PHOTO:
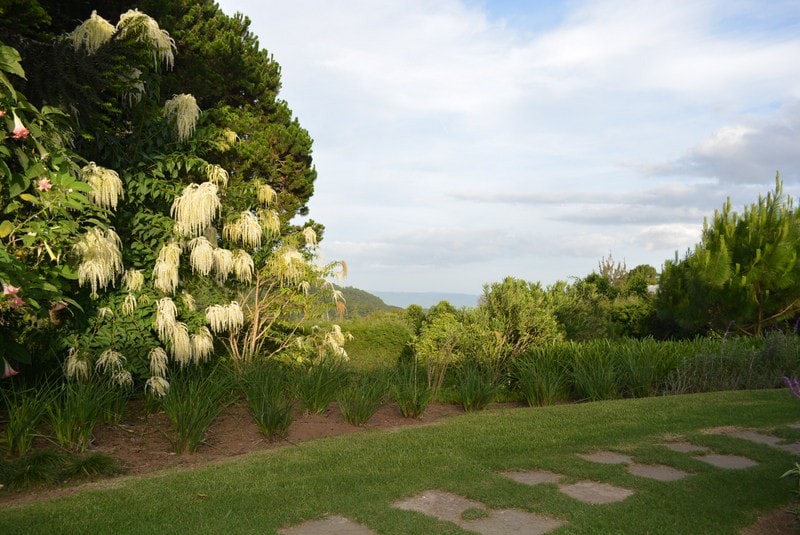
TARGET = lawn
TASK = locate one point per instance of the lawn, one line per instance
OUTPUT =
(360, 476)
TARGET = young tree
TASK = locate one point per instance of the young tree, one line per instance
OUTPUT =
(743, 275)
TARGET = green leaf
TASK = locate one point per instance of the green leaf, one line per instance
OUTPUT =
(5, 228)
(28, 197)
(10, 61)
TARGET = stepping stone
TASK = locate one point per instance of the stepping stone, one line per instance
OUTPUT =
(533, 477)
(439, 504)
(332, 525)
(685, 447)
(593, 492)
(729, 462)
(606, 457)
(510, 521)
(659, 472)
(767, 440)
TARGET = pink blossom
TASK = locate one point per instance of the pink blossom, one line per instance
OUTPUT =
(20, 132)
(2, 113)
(8, 371)
(10, 290)
(16, 302)
(43, 184)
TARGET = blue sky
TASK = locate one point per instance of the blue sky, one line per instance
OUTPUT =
(461, 141)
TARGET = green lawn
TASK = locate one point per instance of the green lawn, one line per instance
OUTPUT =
(359, 476)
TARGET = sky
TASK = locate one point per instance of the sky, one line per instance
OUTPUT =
(458, 142)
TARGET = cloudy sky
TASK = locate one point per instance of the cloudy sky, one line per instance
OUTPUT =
(460, 141)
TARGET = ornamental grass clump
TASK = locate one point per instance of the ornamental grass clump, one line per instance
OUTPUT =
(359, 400)
(267, 385)
(410, 390)
(476, 385)
(25, 410)
(195, 398)
(75, 408)
(317, 383)
(594, 371)
(540, 375)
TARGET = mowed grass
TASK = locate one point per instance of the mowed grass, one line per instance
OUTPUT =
(359, 476)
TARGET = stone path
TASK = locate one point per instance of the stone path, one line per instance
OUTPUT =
(476, 517)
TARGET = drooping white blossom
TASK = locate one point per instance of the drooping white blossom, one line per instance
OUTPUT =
(183, 111)
(106, 185)
(101, 258)
(195, 208)
(92, 33)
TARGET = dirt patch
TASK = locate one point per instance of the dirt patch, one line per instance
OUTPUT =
(141, 442)
(780, 522)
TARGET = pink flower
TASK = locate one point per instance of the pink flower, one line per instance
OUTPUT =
(2, 113)
(20, 132)
(10, 290)
(43, 184)
(16, 302)
(8, 371)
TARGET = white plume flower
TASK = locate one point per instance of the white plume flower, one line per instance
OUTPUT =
(188, 300)
(243, 265)
(195, 208)
(92, 33)
(183, 111)
(223, 263)
(101, 258)
(143, 28)
(165, 272)
(181, 343)
(158, 362)
(288, 265)
(166, 312)
(271, 222)
(106, 185)
(225, 317)
(109, 361)
(202, 345)
(157, 386)
(122, 378)
(217, 174)
(133, 280)
(129, 305)
(266, 195)
(245, 230)
(202, 255)
(75, 367)
(310, 236)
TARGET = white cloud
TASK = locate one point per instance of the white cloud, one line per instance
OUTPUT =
(454, 147)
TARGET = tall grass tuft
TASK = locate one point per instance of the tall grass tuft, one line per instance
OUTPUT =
(74, 409)
(594, 372)
(318, 384)
(410, 389)
(476, 385)
(194, 399)
(267, 386)
(25, 409)
(540, 375)
(359, 400)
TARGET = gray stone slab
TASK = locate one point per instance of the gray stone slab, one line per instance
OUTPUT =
(596, 493)
(513, 521)
(331, 525)
(606, 457)
(767, 440)
(659, 472)
(439, 504)
(533, 477)
(728, 462)
(685, 447)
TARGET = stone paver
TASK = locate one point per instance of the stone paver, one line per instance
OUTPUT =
(513, 521)
(729, 462)
(659, 472)
(533, 477)
(596, 493)
(767, 440)
(606, 457)
(685, 447)
(332, 525)
(439, 504)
